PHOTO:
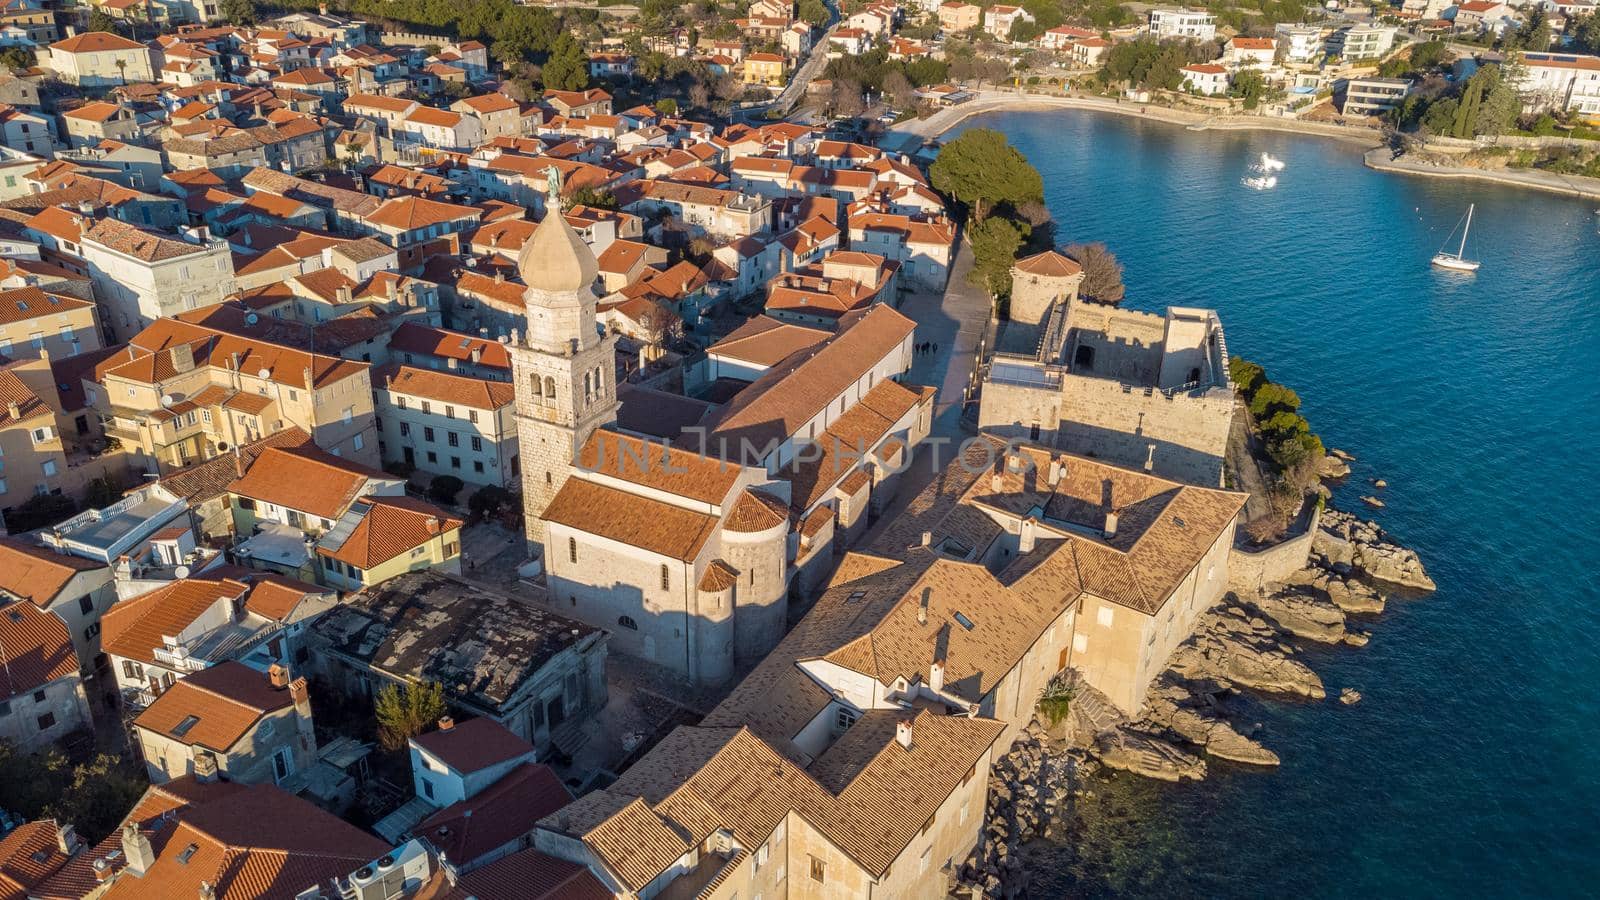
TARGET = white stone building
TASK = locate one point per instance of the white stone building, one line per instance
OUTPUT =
(140, 275)
(448, 424)
(1182, 24)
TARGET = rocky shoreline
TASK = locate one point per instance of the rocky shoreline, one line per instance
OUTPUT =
(1245, 644)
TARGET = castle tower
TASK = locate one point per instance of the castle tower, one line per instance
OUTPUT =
(563, 368)
(1039, 282)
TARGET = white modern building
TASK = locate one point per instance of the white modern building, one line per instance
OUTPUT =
(1182, 24)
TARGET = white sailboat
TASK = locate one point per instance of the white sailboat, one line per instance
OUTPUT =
(1458, 260)
(1270, 163)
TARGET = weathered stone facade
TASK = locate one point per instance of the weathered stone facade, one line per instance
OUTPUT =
(1135, 389)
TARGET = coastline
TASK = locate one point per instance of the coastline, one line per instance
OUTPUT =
(913, 132)
(1534, 179)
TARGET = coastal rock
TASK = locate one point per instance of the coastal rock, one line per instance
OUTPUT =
(1349, 696)
(1303, 616)
(1357, 638)
(1344, 540)
(1373, 502)
(1333, 468)
(1142, 754)
(1348, 594)
(1341, 455)
(1229, 649)
(1171, 707)
(1379, 483)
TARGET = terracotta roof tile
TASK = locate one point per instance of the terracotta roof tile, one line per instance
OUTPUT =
(651, 525)
(658, 465)
(500, 814)
(532, 875)
(225, 701)
(304, 479)
(389, 527)
(38, 573)
(35, 649)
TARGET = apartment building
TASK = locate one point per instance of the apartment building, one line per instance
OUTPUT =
(1182, 24)
(35, 323)
(448, 424)
(40, 688)
(99, 59)
(142, 275)
(182, 392)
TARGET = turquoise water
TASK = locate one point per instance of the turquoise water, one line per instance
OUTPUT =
(1472, 766)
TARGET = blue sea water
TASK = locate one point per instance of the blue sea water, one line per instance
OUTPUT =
(1472, 766)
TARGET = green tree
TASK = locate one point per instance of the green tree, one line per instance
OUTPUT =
(444, 488)
(404, 711)
(93, 795)
(40, 511)
(16, 58)
(1428, 54)
(814, 12)
(595, 197)
(1246, 375)
(667, 106)
(1440, 117)
(982, 171)
(1250, 86)
(1272, 398)
(995, 242)
(101, 493)
(100, 20)
(567, 69)
(239, 12)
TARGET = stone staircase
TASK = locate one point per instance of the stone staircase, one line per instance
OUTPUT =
(570, 737)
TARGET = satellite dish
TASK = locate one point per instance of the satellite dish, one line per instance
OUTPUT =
(264, 374)
(472, 262)
(167, 400)
(251, 318)
(181, 572)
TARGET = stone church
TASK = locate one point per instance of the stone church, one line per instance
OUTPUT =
(682, 525)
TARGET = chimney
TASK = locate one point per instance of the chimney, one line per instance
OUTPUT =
(902, 733)
(922, 607)
(207, 892)
(102, 870)
(310, 385)
(344, 293)
(238, 462)
(205, 767)
(446, 723)
(14, 410)
(67, 839)
(433, 524)
(1026, 534)
(278, 676)
(1056, 471)
(300, 693)
(996, 482)
(137, 850)
(927, 538)
(1150, 459)
(936, 676)
(1111, 523)
(476, 355)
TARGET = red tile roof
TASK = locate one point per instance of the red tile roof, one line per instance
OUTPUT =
(38, 573)
(498, 815)
(35, 649)
(391, 526)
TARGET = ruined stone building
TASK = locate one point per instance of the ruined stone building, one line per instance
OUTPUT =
(1136, 389)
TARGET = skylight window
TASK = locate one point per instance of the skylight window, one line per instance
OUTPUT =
(964, 621)
(184, 726)
(856, 597)
(187, 853)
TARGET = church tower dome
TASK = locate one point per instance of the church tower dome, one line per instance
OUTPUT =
(560, 272)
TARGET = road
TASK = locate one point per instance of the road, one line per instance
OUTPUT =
(813, 66)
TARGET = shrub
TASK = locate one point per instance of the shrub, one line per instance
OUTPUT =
(399, 468)
(444, 488)
(1246, 375)
(1055, 701)
(1265, 529)
(1270, 398)
(488, 500)
(403, 711)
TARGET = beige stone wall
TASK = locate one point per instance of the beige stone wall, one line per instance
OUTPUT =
(1116, 423)
(921, 869)
(134, 293)
(247, 762)
(1033, 295)
(1120, 650)
(1250, 571)
(63, 334)
(63, 698)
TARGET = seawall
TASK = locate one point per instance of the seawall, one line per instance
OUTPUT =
(1550, 182)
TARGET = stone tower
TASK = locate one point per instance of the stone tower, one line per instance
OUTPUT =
(563, 368)
(1041, 281)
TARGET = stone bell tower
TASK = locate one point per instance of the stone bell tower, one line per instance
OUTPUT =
(563, 368)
